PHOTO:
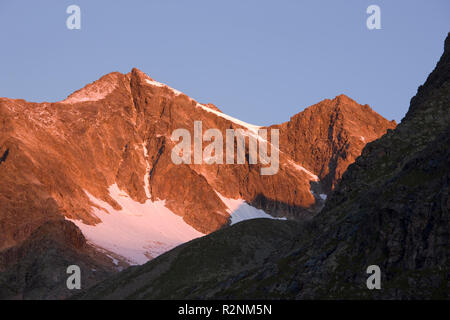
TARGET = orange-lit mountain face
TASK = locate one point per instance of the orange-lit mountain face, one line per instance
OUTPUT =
(102, 159)
(389, 211)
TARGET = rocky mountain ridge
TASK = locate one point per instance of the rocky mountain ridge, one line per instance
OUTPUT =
(390, 209)
(101, 159)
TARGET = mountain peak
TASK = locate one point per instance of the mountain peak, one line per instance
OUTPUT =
(340, 126)
(102, 87)
(342, 98)
(96, 90)
(138, 74)
(110, 154)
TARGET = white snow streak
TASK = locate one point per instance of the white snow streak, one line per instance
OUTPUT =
(240, 210)
(251, 127)
(147, 173)
(300, 168)
(162, 85)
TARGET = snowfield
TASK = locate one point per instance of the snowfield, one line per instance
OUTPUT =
(241, 210)
(140, 231)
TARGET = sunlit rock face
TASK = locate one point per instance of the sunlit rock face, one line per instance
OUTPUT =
(101, 159)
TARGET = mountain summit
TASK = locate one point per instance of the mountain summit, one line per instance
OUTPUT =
(100, 162)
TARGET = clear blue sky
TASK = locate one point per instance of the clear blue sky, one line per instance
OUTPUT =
(260, 61)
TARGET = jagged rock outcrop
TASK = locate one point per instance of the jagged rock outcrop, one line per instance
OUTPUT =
(391, 209)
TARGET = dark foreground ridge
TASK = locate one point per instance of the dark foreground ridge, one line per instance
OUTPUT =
(390, 210)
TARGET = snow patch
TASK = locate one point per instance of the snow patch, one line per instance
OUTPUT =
(240, 210)
(300, 168)
(154, 83)
(114, 260)
(140, 231)
(147, 173)
(323, 196)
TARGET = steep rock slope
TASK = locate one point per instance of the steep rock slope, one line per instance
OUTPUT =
(391, 209)
(107, 149)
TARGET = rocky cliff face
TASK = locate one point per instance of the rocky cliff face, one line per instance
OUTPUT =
(391, 209)
(102, 160)
(327, 137)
